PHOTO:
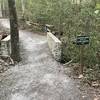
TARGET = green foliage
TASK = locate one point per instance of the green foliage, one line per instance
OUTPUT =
(71, 19)
(98, 6)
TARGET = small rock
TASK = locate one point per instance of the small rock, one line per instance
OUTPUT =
(80, 76)
(95, 84)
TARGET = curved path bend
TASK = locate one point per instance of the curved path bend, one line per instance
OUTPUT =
(38, 76)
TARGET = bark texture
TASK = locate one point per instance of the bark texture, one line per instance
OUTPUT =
(15, 52)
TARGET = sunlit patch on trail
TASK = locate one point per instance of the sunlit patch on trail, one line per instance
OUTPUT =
(18, 96)
(53, 80)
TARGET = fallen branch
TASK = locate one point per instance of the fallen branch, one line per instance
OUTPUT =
(66, 64)
(12, 62)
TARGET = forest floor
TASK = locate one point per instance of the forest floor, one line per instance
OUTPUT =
(38, 76)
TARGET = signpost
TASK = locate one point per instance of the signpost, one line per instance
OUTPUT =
(81, 41)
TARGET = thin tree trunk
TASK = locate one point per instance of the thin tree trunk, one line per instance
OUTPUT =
(2, 8)
(23, 7)
(15, 53)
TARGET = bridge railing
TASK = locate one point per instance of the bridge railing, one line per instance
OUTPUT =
(5, 46)
(54, 43)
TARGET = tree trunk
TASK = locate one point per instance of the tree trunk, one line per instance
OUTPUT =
(15, 52)
(2, 8)
(23, 7)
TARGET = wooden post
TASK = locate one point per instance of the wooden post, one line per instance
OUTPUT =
(81, 59)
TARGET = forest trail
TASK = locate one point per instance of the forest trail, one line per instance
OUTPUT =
(38, 76)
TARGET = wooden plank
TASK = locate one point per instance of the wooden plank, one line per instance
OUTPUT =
(6, 39)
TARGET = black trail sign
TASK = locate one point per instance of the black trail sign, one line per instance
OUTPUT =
(82, 40)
